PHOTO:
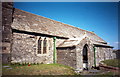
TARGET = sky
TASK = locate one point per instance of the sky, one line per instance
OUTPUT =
(100, 17)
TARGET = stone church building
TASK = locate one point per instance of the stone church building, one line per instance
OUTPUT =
(29, 38)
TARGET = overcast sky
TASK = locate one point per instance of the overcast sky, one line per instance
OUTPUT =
(100, 17)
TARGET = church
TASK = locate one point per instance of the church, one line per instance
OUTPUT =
(29, 38)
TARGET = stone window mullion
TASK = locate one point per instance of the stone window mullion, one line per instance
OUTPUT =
(47, 47)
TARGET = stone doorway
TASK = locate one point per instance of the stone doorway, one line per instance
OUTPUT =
(85, 57)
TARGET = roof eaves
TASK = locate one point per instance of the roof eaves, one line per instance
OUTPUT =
(34, 33)
(99, 45)
(67, 46)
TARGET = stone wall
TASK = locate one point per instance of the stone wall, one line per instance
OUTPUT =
(7, 13)
(24, 49)
(76, 60)
(67, 56)
(0, 34)
(116, 54)
(79, 54)
(103, 53)
(74, 56)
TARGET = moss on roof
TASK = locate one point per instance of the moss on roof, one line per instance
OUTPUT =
(33, 23)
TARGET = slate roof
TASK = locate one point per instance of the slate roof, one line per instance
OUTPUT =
(75, 41)
(72, 42)
(33, 23)
(102, 45)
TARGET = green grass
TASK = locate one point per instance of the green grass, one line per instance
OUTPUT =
(41, 69)
(112, 62)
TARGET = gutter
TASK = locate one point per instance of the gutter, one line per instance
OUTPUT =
(98, 45)
(94, 49)
(38, 34)
(54, 53)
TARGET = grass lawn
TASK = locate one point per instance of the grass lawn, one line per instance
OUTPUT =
(41, 69)
(112, 62)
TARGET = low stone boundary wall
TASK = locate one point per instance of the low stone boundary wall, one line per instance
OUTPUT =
(109, 67)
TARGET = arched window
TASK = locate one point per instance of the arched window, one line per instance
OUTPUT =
(44, 46)
(39, 46)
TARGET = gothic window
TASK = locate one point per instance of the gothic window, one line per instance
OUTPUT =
(44, 46)
(39, 46)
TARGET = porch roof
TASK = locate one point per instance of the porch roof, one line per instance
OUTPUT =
(75, 41)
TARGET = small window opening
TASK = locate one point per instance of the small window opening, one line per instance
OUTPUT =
(39, 45)
(44, 46)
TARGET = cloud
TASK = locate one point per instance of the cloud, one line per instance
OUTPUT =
(108, 43)
(117, 42)
(116, 45)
